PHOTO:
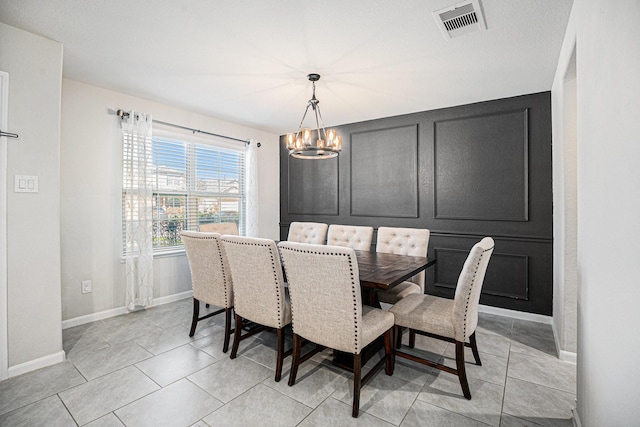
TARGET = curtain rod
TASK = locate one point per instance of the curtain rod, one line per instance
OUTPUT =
(123, 114)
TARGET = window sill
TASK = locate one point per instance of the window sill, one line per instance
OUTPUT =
(163, 254)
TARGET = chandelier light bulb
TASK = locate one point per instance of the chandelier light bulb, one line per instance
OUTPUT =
(291, 141)
(338, 142)
(306, 136)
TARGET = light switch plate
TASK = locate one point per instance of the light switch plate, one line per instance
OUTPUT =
(26, 184)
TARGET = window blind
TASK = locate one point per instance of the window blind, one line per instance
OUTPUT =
(194, 184)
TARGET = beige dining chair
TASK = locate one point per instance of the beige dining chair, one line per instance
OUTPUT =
(259, 291)
(210, 278)
(220, 227)
(307, 232)
(351, 236)
(453, 320)
(327, 308)
(403, 241)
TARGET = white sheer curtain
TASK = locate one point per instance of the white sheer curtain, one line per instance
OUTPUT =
(138, 200)
(252, 188)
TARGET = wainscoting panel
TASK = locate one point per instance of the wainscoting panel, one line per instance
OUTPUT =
(507, 274)
(477, 161)
(384, 172)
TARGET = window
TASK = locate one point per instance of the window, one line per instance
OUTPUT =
(194, 183)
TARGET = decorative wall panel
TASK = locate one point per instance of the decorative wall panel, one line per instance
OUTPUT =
(507, 274)
(479, 160)
(384, 172)
(313, 186)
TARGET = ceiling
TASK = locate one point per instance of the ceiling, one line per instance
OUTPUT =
(247, 61)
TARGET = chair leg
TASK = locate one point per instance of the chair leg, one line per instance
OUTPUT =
(462, 373)
(398, 337)
(236, 336)
(389, 351)
(412, 338)
(295, 360)
(280, 354)
(357, 368)
(196, 313)
(227, 329)
(474, 348)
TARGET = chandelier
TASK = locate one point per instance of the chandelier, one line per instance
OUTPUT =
(301, 145)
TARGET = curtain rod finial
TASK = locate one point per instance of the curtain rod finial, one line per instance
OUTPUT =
(122, 114)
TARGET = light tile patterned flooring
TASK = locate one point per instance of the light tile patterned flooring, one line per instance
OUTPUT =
(142, 369)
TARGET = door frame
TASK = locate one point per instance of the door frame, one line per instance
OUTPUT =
(4, 319)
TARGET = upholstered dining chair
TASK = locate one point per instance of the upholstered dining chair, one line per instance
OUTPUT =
(326, 307)
(453, 320)
(403, 241)
(210, 278)
(259, 291)
(220, 227)
(307, 232)
(351, 236)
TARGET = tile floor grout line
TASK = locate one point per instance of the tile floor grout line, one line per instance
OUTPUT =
(67, 409)
(542, 385)
(117, 417)
(504, 387)
(129, 403)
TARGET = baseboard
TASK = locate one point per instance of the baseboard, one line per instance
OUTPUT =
(88, 318)
(32, 365)
(514, 314)
(172, 298)
(575, 418)
(564, 355)
(568, 356)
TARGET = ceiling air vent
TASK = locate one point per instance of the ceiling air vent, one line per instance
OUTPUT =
(460, 19)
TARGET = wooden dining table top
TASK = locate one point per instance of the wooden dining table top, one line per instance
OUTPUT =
(380, 270)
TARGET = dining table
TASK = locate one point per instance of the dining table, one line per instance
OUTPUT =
(383, 271)
(380, 271)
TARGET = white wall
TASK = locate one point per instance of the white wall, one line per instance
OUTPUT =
(565, 215)
(606, 36)
(33, 220)
(91, 191)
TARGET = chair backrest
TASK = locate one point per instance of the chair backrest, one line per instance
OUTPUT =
(404, 241)
(351, 236)
(324, 285)
(469, 287)
(210, 275)
(307, 232)
(220, 227)
(258, 292)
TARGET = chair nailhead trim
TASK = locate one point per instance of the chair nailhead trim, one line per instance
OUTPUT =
(275, 274)
(473, 280)
(224, 273)
(353, 289)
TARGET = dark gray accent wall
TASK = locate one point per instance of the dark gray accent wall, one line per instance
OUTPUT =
(322, 177)
(464, 172)
(469, 182)
(384, 172)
